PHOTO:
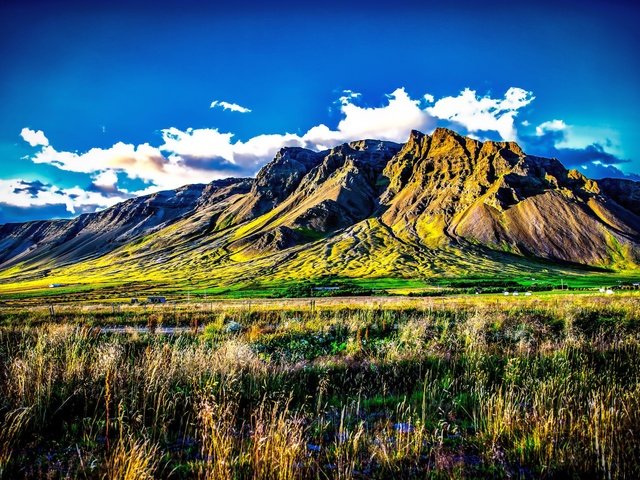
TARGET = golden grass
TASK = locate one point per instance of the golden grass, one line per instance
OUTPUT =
(132, 459)
(443, 388)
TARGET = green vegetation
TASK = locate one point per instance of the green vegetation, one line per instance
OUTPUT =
(333, 388)
(191, 288)
(324, 288)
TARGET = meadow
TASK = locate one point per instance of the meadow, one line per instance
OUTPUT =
(546, 386)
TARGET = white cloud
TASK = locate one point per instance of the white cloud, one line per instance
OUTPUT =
(550, 126)
(34, 137)
(208, 149)
(143, 162)
(391, 122)
(263, 148)
(477, 114)
(348, 95)
(205, 154)
(234, 107)
(198, 143)
(107, 179)
(24, 194)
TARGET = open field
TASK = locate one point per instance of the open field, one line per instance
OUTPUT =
(205, 290)
(406, 387)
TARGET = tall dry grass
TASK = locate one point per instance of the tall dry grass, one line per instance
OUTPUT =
(475, 390)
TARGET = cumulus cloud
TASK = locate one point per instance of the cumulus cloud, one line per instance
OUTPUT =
(198, 143)
(210, 154)
(143, 161)
(107, 179)
(208, 148)
(482, 114)
(106, 183)
(193, 156)
(391, 122)
(233, 107)
(550, 126)
(24, 194)
(205, 154)
(34, 138)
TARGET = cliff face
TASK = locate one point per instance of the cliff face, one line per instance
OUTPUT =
(436, 196)
(446, 189)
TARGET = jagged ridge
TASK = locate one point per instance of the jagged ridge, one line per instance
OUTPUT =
(364, 208)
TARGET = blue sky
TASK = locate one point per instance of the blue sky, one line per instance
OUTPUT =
(105, 100)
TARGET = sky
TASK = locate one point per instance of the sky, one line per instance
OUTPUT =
(102, 101)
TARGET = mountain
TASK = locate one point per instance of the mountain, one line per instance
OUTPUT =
(438, 205)
(94, 234)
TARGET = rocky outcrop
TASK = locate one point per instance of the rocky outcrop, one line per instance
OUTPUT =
(275, 182)
(280, 238)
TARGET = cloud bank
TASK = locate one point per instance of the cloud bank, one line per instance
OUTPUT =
(205, 154)
(483, 114)
(24, 194)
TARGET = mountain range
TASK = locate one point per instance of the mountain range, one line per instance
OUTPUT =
(438, 205)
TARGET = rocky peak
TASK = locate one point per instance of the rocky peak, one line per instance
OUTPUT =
(447, 143)
(289, 163)
(375, 146)
(434, 193)
(278, 178)
(416, 142)
(442, 134)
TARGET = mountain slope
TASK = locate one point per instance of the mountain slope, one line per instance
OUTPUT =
(446, 189)
(91, 235)
(440, 204)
